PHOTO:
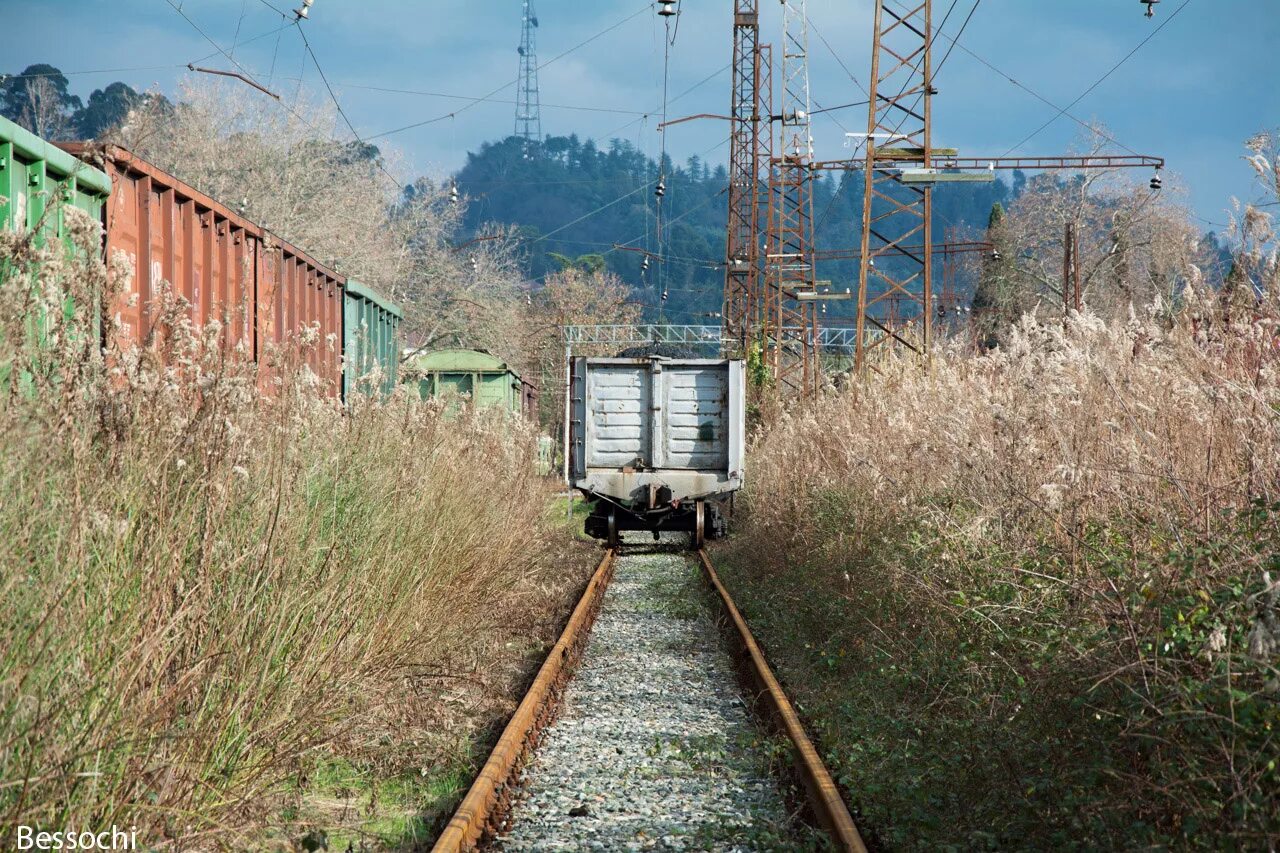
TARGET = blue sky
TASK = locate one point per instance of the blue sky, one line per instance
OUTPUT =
(1193, 94)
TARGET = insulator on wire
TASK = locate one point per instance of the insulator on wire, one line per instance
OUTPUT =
(644, 263)
(995, 254)
(664, 294)
(1151, 7)
(661, 189)
(1156, 181)
(475, 264)
(666, 8)
(453, 194)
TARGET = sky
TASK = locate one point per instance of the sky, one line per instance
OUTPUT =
(1192, 94)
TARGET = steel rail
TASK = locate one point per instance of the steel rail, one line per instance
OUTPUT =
(489, 796)
(824, 796)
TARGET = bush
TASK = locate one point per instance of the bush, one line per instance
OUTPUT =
(1030, 599)
(207, 587)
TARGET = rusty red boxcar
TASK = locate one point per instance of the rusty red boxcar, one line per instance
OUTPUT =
(264, 289)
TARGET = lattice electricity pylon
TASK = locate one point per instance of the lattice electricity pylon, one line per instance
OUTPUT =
(790, 325)
(897, 212)
(742, 243)
(528, 101)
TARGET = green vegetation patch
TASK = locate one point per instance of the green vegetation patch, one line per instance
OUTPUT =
(975, 699)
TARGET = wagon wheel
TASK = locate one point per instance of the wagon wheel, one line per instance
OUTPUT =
(614, 538)
(699, 537)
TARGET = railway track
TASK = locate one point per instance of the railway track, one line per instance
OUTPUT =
(636, 734)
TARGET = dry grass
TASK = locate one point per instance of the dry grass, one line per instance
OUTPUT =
(208, 590)
(1033, 598)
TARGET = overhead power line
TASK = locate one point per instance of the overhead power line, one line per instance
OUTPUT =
(511, 83)
(1166, 22)
(428, 94)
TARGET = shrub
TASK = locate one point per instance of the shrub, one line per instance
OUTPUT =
(205, 586)
(1029, 599)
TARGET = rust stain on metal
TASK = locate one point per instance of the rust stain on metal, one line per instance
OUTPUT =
(489, 799)
(824, 797)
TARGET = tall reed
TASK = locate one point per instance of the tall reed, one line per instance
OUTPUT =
(203, 584)
(1033, 597)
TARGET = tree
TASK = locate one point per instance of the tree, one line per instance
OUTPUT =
(570, 297)
(107, 108)
(39, 100)
(1137, 246)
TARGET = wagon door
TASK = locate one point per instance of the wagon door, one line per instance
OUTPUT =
(618, 434)
(696, 404)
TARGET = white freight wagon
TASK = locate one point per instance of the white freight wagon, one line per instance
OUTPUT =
(656, 443)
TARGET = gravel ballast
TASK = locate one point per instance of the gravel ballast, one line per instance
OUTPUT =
(654, 747)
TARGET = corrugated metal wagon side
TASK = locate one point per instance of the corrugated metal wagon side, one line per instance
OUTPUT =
(370, 324)
(263, 289)
(297, 293)
(172, 232)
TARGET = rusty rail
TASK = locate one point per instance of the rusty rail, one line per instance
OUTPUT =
(824, 797)
(488, 798)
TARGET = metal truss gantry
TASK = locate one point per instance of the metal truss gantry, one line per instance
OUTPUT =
(836, 339)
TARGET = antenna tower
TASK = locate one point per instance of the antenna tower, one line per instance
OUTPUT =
(528, 102)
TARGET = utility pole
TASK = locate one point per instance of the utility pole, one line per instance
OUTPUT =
(790, 322)
(1071, 296)
(742, 244)
(528, 101)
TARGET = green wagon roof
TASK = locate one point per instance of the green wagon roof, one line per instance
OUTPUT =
(358, 289)
(60, 162)
(463, 360)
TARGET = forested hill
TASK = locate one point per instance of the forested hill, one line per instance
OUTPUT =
(571, 198)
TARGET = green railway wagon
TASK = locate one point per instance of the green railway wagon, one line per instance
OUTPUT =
(370, 324)
(485, 379)
(36, 175)
(38, 182)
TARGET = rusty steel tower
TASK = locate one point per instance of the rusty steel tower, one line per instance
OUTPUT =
(742, 243)
(528, 101)
(897, 210)
(789, 321)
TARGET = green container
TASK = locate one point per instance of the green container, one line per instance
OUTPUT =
(369, 326)
(35, 175)
(37, 182)
(486, 379)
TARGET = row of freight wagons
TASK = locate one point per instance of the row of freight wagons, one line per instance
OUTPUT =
(263, 288)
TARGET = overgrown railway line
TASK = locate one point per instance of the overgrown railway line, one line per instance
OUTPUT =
(635, 734)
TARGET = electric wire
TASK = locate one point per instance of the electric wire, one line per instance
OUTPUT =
(509, 84)
(662, 157)
(490, 100)
(813, 26)
(1166, 22)
(207, 38)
